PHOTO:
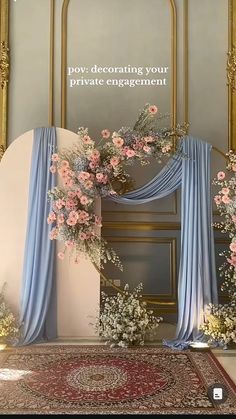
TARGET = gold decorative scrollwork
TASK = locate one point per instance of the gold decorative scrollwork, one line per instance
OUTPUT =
(2, 151)
(231, 69)
(4, 64)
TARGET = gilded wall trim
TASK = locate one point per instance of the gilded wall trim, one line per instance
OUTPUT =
(231, 76)
(4, 73)
(51, 64)
(168, 300)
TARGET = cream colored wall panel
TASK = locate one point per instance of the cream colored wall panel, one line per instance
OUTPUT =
(208, 45)
(29, 70)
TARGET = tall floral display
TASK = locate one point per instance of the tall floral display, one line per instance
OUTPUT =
(220, 322)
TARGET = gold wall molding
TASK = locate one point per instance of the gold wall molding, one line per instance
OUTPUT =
(4, 73)
(140, 226)
(231, 76)
(51, 64)
(169, 301)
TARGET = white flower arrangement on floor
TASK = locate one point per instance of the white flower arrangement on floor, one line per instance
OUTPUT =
(9, 327)
(220, 324)
(124, 318)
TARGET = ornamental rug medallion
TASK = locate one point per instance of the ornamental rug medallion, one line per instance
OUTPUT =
(96, 379)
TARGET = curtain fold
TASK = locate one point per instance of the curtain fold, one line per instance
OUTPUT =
(37, 281)
(197, 285)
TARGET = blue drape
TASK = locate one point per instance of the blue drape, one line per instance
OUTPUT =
(197, 285)
(37, 281)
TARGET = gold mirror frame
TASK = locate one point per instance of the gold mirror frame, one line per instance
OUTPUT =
(5, 67)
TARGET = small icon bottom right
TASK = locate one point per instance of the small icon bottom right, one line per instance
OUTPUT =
(217, 393)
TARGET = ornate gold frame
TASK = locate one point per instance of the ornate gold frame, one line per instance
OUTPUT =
(4, 73)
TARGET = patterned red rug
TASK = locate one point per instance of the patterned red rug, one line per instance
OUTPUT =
(100, 380)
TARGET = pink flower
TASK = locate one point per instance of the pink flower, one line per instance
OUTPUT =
(84, 176)
(55, 157)
(93, 165)
(98, 221)
(88, 184)
(83, 217)
(51, 217)
(233, 247)
(84, 200)
(114, 161)
(118, 141)
(69, 244)
(220, 175)
(234, 167)
(226, 199)
(130, 153)
(87, 140)
(95, 155)
(146, 148)
(70, 204)
(73, 218)
(60, 219)
(59, 203)
(234, 218)
(153, 109)
(61, 255)
(53, 233)
(106, 133)
(65, 163)
(225, 191)
(232, 260)
(166, 148)
(217, 199)
(99, 177)
(53, 169)
(104, 179)
(63, 172)
(78, 192)
(83, 236)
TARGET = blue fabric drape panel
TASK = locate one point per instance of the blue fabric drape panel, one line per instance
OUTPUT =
(37, 281)
(197, 274)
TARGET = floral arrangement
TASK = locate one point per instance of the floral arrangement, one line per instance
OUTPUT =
(124, 318)
(220, 320)
(220, 324)
(226, 204)
(9, 328)
(88, 171)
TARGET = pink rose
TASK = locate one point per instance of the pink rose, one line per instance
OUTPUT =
(114, 161)
(84, 176)
(53, 169)
(84, 200)
(226, 199)
(233, 247)
(55, 157)
(153, 109)
(234, 167)
(51, 217)
(53, 233)
(118, 141)
(82, 236)
(225, 191)
(130, 153)
(61, 255)
(217, 199)
(220, 175)
(146, 148)
(234, 218)
(87, 140)
(106, 133)
(99, 177)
